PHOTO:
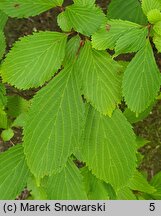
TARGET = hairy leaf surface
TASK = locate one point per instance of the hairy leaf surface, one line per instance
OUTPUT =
(141, 81)
(54, 125)
(34, 59)
(66, 185)
(13, 172)
(26, 8)
(109, 147)
(101, 79)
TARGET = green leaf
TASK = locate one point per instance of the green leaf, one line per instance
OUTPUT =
(126, 10)
(139, 183)
(13, 173)
(148, 5)
(109, 147)
(2, 44)
(3, 98)
(34, 59)
(125, 194)
(132, 118)
(3, 119)
(156, 183)
(17, 105)
(63, 22)
(141, 81)
(7, 134)
(54, 125)
(20, 120)
(140, 158)
(157, 42)
(141, 142)
(85, 19)
(132, 41)
(111, 192)
(95, 188)
(84, 2)
(72, 50)
(110, 31)
(66, 185)
(144, 197)
(21, 8)
(38, 193)
(154, 16)
(3, 19)
(157, 28)
(101, 79)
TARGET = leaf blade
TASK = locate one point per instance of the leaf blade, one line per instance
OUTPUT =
(148, 5)
(42, 54)
(138, 90)
(66, 185)
(3, 19)
(126, 10)
(12, 166)
(110, 32)
(21, 8)
(2, 44)
(116, 143)
(59, 129)
(85, 19)
(132, 41)
(98, 69)
(139, 183)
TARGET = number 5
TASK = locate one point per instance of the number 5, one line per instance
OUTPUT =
(152, 206)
